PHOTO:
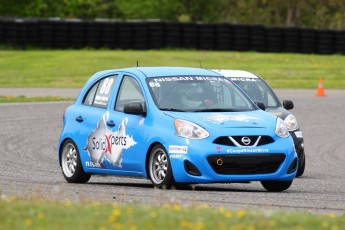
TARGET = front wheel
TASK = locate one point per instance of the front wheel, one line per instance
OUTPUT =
(276, 186)
(159, 168)
(301, 168)
(71, 166)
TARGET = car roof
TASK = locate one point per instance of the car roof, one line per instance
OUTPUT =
(236, 73)
(162, 71)
(173, 71)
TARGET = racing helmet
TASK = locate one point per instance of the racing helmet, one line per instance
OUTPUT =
(191, 95)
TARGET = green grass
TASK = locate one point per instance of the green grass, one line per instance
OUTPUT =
(71, 68)
(37, 214)
(14, 99)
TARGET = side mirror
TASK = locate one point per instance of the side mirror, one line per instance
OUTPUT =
(287, 104)
(261, 105)
(134, 108)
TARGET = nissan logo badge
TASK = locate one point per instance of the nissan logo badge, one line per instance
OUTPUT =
(246, 140)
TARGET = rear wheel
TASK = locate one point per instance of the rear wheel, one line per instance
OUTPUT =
(71, 166)
(159, 168)
(276, 186)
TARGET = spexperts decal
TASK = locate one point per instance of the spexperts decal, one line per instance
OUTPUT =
(105, 145)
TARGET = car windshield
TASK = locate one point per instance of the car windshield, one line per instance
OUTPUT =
(198, 94)
(258, 90)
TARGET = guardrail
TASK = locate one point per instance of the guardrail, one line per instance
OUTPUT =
(142, 35)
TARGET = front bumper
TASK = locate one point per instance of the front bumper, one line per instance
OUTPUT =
(214, 163)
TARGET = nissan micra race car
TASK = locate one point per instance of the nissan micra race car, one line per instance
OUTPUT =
(173, 125)
(258, 90)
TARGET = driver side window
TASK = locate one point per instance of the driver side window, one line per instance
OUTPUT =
(130, 91)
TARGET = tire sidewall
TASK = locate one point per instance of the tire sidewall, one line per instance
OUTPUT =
(79, 176)
(168, 181)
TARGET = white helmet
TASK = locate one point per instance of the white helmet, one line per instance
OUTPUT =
(191, 96)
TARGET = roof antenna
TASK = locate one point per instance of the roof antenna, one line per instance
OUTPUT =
(137, 63)
(200, 64)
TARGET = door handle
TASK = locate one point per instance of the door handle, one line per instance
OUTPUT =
(111, 123)
(79, 119)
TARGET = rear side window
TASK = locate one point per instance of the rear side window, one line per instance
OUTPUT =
(99, 93)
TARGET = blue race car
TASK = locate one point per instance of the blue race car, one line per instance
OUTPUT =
(173, 125)
(258, 90)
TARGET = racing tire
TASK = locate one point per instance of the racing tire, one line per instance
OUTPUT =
(275, 185)
(159, 168)
(72, 169)
(301, 168)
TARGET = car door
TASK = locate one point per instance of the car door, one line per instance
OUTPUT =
(90, 128)
(128, 143)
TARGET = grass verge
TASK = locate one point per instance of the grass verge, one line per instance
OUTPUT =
(36, 214)
(71, 68)
(14, 99)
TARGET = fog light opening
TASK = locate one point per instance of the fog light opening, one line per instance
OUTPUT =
(219, 161)
(191, 169)
(293, 167)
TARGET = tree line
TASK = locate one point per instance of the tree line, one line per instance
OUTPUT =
(319, 14)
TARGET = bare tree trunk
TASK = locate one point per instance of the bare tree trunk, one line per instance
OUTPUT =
(277, 13)
(289, 13)
(293, 13)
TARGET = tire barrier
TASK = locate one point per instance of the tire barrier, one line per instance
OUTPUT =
(155, 34)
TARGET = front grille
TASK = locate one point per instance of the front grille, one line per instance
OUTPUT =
(228, 164)
(254, 140)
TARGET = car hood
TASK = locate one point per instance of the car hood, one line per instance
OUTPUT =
(209, 120)
(279, 112)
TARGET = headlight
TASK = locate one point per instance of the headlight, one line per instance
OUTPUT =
(189, 130)
(281, 129)
(291, 122)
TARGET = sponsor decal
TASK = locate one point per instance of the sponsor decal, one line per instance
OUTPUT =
(176, 156)
(101, 100)
(221, 118)
(161, 79)
(105, 145)
(94, 164)
(178, 149)
(242, 79)
(155, 82)
(102, 96)
(246, 150)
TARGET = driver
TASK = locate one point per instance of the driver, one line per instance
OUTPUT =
(193, 96)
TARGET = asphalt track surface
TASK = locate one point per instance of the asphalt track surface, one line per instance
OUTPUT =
(29, 167)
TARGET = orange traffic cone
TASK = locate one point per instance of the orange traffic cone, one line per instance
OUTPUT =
(320, 90)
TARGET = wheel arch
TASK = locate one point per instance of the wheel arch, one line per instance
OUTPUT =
(148, 156)
(61, 146)
(153, 144)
